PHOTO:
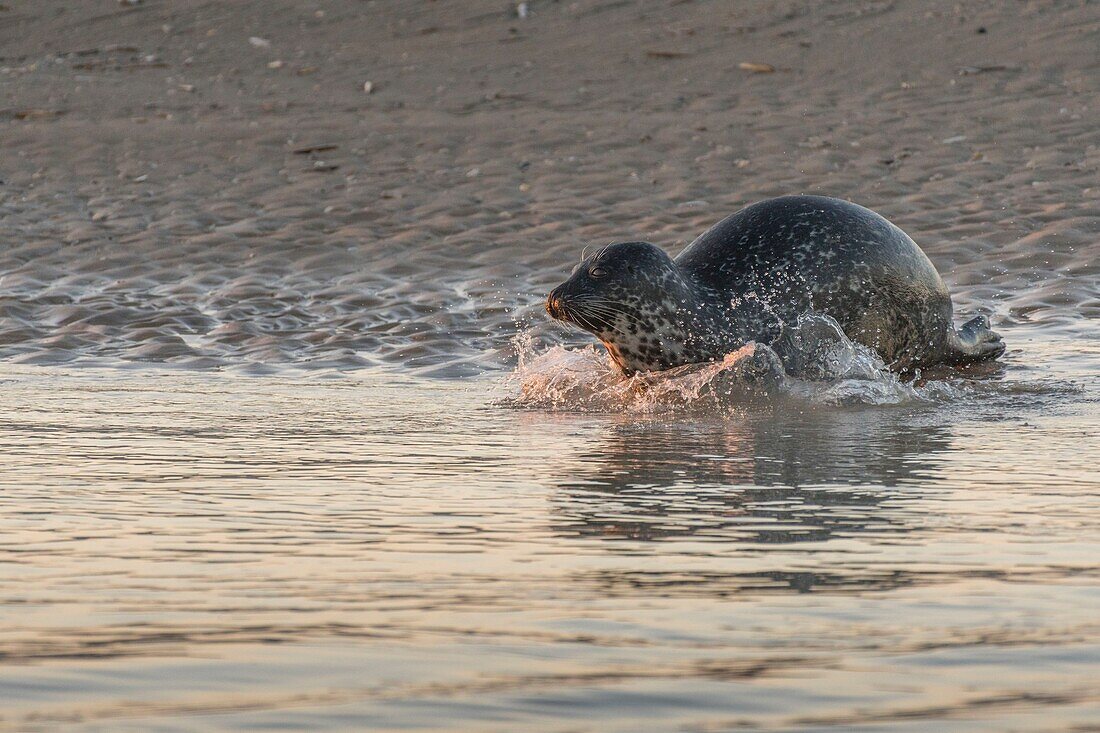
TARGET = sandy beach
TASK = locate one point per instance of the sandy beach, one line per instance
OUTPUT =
(185, 149)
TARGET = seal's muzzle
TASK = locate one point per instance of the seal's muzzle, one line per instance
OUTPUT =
(554, 305)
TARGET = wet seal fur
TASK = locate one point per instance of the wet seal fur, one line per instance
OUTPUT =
(761, 268)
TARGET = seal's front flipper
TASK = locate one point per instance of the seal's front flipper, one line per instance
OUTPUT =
(975, 341)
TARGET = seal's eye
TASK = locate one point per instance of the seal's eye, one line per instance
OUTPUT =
(597, 272)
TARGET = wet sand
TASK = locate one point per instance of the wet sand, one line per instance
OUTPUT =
(210, 185)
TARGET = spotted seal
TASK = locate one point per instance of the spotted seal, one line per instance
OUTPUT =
(761, 268)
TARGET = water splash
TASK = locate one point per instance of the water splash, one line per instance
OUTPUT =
(811, 361)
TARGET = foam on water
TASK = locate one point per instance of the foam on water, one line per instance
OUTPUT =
(812, 361)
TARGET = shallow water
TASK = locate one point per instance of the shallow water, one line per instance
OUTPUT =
(313, 496)
(376, 551)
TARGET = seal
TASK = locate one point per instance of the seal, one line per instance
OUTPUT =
(761, 268)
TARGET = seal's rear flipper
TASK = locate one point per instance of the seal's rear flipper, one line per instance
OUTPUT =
(975, 341)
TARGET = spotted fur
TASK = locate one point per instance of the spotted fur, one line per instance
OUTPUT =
(763, 266)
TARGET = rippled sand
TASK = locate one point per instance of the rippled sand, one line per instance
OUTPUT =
(290, 442)
(143, 222)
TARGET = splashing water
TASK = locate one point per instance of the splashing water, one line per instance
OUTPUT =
(812, 361)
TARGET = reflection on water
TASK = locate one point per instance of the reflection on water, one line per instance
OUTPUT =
(376, 552)
(767, 478)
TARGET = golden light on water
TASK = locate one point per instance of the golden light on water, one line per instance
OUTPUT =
(385, 543)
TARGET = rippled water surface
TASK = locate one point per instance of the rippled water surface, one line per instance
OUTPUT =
(375, 551)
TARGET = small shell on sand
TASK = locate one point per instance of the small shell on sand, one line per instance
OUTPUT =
(314, 149)
(755, 67)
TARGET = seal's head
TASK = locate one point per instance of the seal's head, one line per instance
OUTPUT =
(635, 300)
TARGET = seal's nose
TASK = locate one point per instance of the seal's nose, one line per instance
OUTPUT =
(553, 304)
